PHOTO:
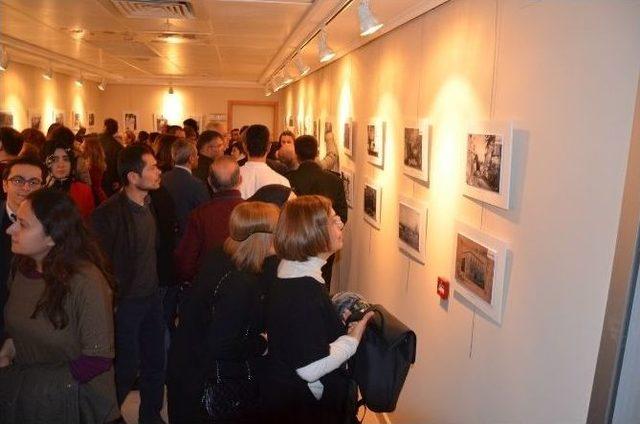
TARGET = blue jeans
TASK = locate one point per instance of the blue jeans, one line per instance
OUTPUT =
(140, 348)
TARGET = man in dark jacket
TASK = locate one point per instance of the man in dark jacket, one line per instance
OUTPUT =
(111, 146)
(210, 146)
(136, 228)
(310, 178)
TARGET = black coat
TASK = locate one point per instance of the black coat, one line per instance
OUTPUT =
(112, 223)
(5, 262)
(310, 178)
(111, 148)
(187, 193)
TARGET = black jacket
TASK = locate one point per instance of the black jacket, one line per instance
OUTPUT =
(5, 261)
(310, 178)
(113, 224)
(111, 148)
(187, 193)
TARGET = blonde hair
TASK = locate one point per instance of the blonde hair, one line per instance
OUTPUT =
(302, 230)
(251, 227)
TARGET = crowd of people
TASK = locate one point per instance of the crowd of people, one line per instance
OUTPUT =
(196, 261)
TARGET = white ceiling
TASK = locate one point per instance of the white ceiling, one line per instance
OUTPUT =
(229, 42)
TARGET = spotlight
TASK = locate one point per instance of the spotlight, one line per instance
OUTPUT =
(286, 77)
(171, 89)
(267, 90)
(80, 81)
(302, 68)
(324, 51)
(368, 23)
(48, 74)
(4, 59)
(103, 85)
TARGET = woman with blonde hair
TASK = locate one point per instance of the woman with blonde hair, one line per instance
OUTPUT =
(221, 323)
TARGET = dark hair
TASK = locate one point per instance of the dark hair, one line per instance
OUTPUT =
(143, 137)
(243, 128)
(130, 160)
(152, 136)
(110, 126)
(50, 148)
(24, 160)
(206, 137)
(163, 155)
(34, 137)
(306, 147)
(52, 128)
(173, 129)
(74, 245)
(286, 133)
(257, 140)
(190, 122)
(63, 136)
(11, 140)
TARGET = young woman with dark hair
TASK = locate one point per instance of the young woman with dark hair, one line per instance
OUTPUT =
(93, 153)
(163, 154)
(56, 365)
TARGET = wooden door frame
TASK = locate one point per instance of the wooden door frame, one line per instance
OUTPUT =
(274, 105)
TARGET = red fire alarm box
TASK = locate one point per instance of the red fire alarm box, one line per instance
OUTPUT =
(443, 288)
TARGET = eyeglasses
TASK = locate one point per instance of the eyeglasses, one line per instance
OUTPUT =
(21, 181)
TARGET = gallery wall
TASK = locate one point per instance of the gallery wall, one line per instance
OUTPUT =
(566, 74)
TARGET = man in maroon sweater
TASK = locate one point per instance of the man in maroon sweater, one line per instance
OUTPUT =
(208, 224)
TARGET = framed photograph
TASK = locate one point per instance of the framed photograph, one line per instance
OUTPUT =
(412, 228)
(35, 119)
(130, 120)
(159, 122)
(76, 120)
(316, 129)
(290, 123)
(347, 137)
(372, 203)
(308, 125)
(375, 142)
(416, 151)
(480, 270)
(487, 162)
(6, 118)
(58, 116)
(91, 120)
(349, 182)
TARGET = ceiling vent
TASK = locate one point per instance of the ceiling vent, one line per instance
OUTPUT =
(154, 9)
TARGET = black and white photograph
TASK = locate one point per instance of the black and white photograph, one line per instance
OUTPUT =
(372, 203)
(35, 119)
(375, 142)
(480, 269)
(412, 148)
(348, 180)
(159, 122)
(412, 219)
(76, 120)
(290, 122)
(372, 148)
(58, 116)
(6, 118)
(130, 121)
(347, 137)
(91, 119)
(487, 163)
(416, 150)
(316, 129)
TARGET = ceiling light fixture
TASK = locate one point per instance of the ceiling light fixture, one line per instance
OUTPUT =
(368, 23)
(4, 59)
(103, 84)
(286, 76)
(80, 81)
(324, 51)
(302, 68)
(48, 74)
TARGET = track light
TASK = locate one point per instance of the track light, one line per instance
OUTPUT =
(4, 59)
(368, 23)
(103, 85)
(80, 81)
(171, 89)
(48, 74)
(324, 51)
(286, 76)
(302, 68)
(267, 90)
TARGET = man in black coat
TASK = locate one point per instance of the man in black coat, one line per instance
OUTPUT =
(136, 228)
(310, 178)
(111, 146)
(210, 146)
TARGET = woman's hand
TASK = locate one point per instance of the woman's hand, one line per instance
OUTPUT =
(7, 353)
(356, 329)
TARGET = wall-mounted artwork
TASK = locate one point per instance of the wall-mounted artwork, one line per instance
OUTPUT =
(412, 228)
(480, 270)
(316, 129)
(35, 119)
(159, 122)
(372, 204)
(375, 142)
(487, 159)
(130, 120)
(91, 120)
(6, 118)
(347, 137)
(348, 180)
(416, 151)
(58, 116)
(76, 120)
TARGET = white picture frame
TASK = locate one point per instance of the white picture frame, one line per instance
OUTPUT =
(130, 121)
(347, 137)
(486, 162)
(412, 228)
(372, 203)
(91, 120)
(349, 182)
(35, 119)
(76, 120)
(416, 145)
(159, 120)
(479, 269)
(375, 137)
(58, 116)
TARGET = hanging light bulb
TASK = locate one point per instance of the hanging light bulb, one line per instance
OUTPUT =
(368, 23)
(103, 85)
(302, 68)
(80, 81)
(4, 59)
(48, 74)
(324, 51)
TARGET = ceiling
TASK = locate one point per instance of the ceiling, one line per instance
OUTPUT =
(219, 42)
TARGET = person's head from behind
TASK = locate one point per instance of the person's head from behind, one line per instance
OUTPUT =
(52, 128)
(163, 154)
(190, 134)
(224, 174)
(256, 139)
(210, 144)
(191, 123)
(20, 177)
(308, 227)
(62, 136)
(111, 126)
(49, 235)
(175, 130)
(60, 159)
(306, 148)
(93, 152)
(138, 169)
(33, 141)
(250, 241)
(234, 135)
(10, 143)
(185, 154)
(143, 137)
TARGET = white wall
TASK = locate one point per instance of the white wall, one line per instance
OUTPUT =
(566, 72)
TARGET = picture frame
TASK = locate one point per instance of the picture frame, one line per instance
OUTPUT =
(348, 180)
(159, 120)
(375, 138)
(76, 120)
(91, 120)
(34, 118)
(372, 204)
(486, 160)
(58, 116)
(479, 269)
(417, 141)
(130, 121)
(6, 118)
(412, 228)
(347, 137)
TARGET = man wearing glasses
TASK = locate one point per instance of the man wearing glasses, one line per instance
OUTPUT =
(19, 178)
